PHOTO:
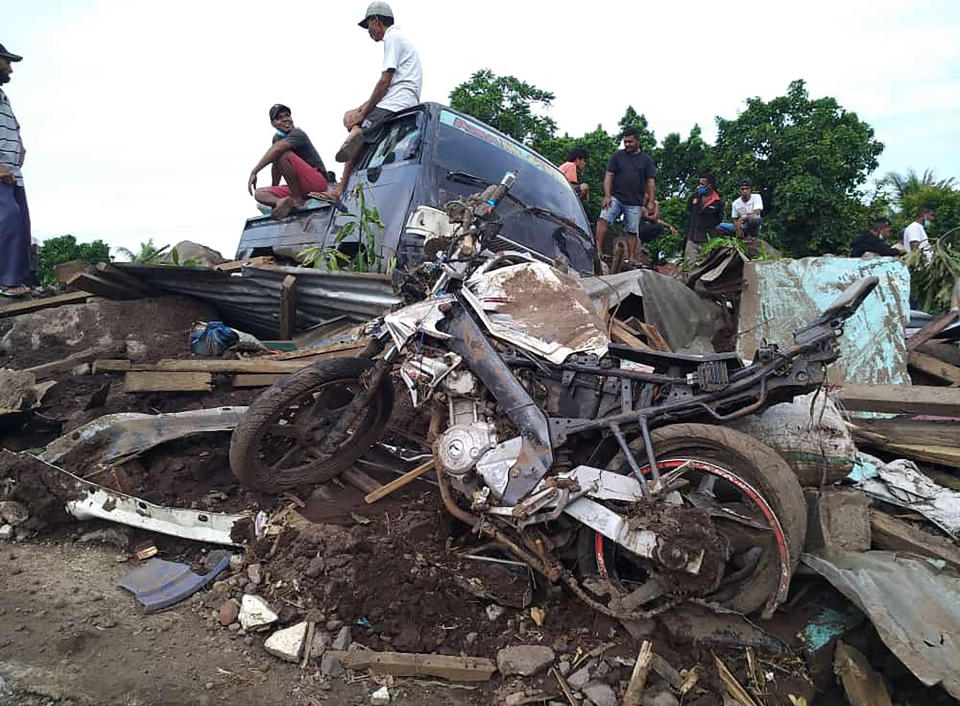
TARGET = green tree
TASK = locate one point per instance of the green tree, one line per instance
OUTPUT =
(147, 253)
(599, 145)
(54, 251)
(506, 103)
(631, 119)
(680, 162)
(808, 159)
(905, 185)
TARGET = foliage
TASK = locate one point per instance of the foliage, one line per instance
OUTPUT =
(55, 251)
(147, 253)
(175, 260)
(506, 103)
(367, 226)
(680, 163)
(631, 119)
(599, 146)
(909, 184)
(808, 158)
(932, 283)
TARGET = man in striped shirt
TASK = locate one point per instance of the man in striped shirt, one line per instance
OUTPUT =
(14, 216)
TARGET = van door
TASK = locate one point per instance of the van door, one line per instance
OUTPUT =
(387, 174)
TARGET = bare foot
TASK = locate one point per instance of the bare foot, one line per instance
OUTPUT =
(283, 207)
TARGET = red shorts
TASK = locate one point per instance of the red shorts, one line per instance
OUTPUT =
(310, 179)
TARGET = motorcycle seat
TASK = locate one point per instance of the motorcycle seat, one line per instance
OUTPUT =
(664, 361)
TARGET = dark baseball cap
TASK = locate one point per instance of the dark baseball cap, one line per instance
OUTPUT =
(276, 109)
(7, 55)
(746, 182)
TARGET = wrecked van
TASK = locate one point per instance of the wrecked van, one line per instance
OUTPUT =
(427, 156)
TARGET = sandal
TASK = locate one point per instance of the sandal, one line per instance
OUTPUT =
(17, 291)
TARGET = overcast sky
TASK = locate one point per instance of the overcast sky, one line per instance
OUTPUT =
(143, 119)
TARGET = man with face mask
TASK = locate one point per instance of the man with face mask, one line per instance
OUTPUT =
(915, 234)
(706, 211)
(397, 89)
(293, 157)
(14, 216)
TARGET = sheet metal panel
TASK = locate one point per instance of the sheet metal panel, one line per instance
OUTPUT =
(780, 296)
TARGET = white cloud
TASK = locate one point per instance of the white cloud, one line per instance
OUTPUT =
(144, 119)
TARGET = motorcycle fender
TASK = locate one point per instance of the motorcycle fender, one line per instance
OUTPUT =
(403, 324)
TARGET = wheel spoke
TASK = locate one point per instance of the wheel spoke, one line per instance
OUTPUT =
(290, 454)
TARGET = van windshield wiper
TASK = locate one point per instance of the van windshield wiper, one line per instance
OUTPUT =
(473, 180)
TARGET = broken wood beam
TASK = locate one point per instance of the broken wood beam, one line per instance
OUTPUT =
(397, 483)
(32, 305)
(932, 330)
(638, 679)
(360, 480)
(103, 287)
(139, 381)
(652, 334)
(112, 272)
(895, 535)
(74, 359)
(620, 334)
(66, 271)
(932, 366)
(409, 664)
(946, 352)
(900, 399)
(236, 265)
(904, 430)
(257, 379)
(288, 306)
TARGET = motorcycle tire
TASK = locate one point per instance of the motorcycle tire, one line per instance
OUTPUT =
(245, 443)
(760, 467)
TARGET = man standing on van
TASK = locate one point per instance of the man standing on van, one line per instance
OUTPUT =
(398, 88)
(628, 188)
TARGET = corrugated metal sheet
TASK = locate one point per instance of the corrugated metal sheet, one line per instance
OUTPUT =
(780, 296)
(250, 300)
(687, 322)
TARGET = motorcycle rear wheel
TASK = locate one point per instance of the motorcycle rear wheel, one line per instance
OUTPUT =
(276, 445)
(744, 478)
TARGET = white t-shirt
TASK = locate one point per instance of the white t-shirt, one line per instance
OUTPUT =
(741, 208)
(915, 233)
(399, 55)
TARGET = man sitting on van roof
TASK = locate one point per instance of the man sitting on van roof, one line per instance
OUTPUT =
(398, 88)
(293, 157)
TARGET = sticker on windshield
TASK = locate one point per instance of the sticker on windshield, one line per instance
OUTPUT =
(487, 135)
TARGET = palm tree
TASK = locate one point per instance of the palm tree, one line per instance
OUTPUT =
(148, 252)
(909, 183)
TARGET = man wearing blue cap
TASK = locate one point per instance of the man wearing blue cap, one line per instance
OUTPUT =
(398, 87)
(14, 216)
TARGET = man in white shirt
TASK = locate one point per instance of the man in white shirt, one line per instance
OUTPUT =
(747, 211)
(398, 88)
(915, 234)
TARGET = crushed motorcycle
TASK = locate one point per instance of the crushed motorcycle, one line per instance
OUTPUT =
(602, 466)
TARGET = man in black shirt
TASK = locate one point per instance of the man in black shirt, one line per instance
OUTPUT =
(293, 157)
(706, 211)
(872, 240)
(628, 189)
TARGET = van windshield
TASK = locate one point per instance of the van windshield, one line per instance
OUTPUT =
(464, 145)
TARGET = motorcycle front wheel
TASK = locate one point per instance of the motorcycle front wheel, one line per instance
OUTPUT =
(279, 443)
(754, 503)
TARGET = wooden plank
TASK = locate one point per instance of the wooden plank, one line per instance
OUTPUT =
(111, 365)
(894, 534)
(139, 381)
(931, 366)
(946, 352)
(900, 399)
(904, 430)
(257, 379)
(620, 334)
(360, 480)
(932, 330)
(237, 265)
(32, 305)
(942, 455)
(657, 342)
(327, 351)
(102, 287)
(398, 483)
(249, 365)
(288, 306)
(41, 371)
(409, 664)
(66, 271)
(114, 273)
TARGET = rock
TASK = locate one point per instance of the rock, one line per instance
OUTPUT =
(330, 666)
(599, 693)
(255, 574)
(118, 537)
(315, 567)
(837, 520)
(660, 698)
(6, 532)
(564, 667)
(236, 562)
(472, 637)
(343, 639)
(136, 350)
(602, 670)
(80, 370)
(201, 255)
(16, 390)
(229, 612)
(525, 660)
(334, 624)
(255, 613)
(381, 697)
(579, 678)
(13, 513)
(494, 612)
(287, 643)
(321, 641)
